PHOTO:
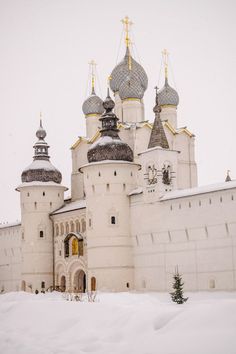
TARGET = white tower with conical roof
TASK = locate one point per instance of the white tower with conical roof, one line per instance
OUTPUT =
(40, 194)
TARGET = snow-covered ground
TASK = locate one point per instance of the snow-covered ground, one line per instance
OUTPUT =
(129, 323)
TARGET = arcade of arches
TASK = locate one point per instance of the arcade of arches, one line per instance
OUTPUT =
(79, 282)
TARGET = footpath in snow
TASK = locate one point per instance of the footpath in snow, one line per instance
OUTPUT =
(123, 323)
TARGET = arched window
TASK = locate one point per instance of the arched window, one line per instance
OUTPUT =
(67, 248)
(83, 222)
(57, 230)
(113, 220)
(62, 229)
(41, 234)
(75, 247)
(67, 228)
(77, 226)
(93, 284)
(72, 227)
(81, 247)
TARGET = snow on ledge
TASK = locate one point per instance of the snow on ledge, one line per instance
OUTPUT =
(135, 191)
(9, 224)
(199, 190)
(40, 184)
(78, 204)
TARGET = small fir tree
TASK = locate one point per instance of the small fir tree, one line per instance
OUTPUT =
(178, 295)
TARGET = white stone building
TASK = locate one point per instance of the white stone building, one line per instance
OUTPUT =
(135, 211)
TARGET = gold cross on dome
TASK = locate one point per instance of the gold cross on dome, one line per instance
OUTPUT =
(92, 65)
(165, 59)
(127, 23)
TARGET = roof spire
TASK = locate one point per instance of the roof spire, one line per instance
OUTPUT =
(165, 55)
(41, 147)
(228, 178)
(127, 23)
(158, 136)
(92, 65)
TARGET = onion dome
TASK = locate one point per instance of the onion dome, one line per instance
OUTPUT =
(168, 96)
(131, 75)
(93, 104)
(41, 169)
(109, 146)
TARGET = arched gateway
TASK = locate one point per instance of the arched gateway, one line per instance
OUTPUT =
(79, 281)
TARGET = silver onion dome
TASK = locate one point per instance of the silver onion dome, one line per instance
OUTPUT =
(93, 104)
(131, 88)
(168, 96)
(121, 73)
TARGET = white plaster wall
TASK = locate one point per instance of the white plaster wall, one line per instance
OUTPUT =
(92, 124)
(10, 258)
(197, 234)
(132, 110)
(169, 113)
(79, 158)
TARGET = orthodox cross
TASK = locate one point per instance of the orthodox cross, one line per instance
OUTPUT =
(127, 23)
(165, 55)
(92, 65)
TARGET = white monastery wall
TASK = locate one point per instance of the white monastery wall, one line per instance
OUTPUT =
(10, 257)
(195, 233)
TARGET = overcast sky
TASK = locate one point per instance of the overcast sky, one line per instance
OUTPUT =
(45, 47)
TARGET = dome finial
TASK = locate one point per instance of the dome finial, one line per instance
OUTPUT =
(165, 55)
(127, 23)
(92, 65)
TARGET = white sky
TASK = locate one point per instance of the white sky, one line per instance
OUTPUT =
(45, 46)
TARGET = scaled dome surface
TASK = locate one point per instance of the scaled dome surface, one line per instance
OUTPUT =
(93, 105)
(131, 88)
(168, 96)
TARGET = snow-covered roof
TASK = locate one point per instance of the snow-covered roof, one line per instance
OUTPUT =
(138, 190)
(41, 164)
(78, 204)
(40, 184)
(199, 190)
(10, 224)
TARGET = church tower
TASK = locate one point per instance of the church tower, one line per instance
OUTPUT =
(129, 81)
(108, 179)
(41, 193)
(159, 162)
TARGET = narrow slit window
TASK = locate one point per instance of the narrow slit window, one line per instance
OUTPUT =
(113, 220)
(41, 234)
